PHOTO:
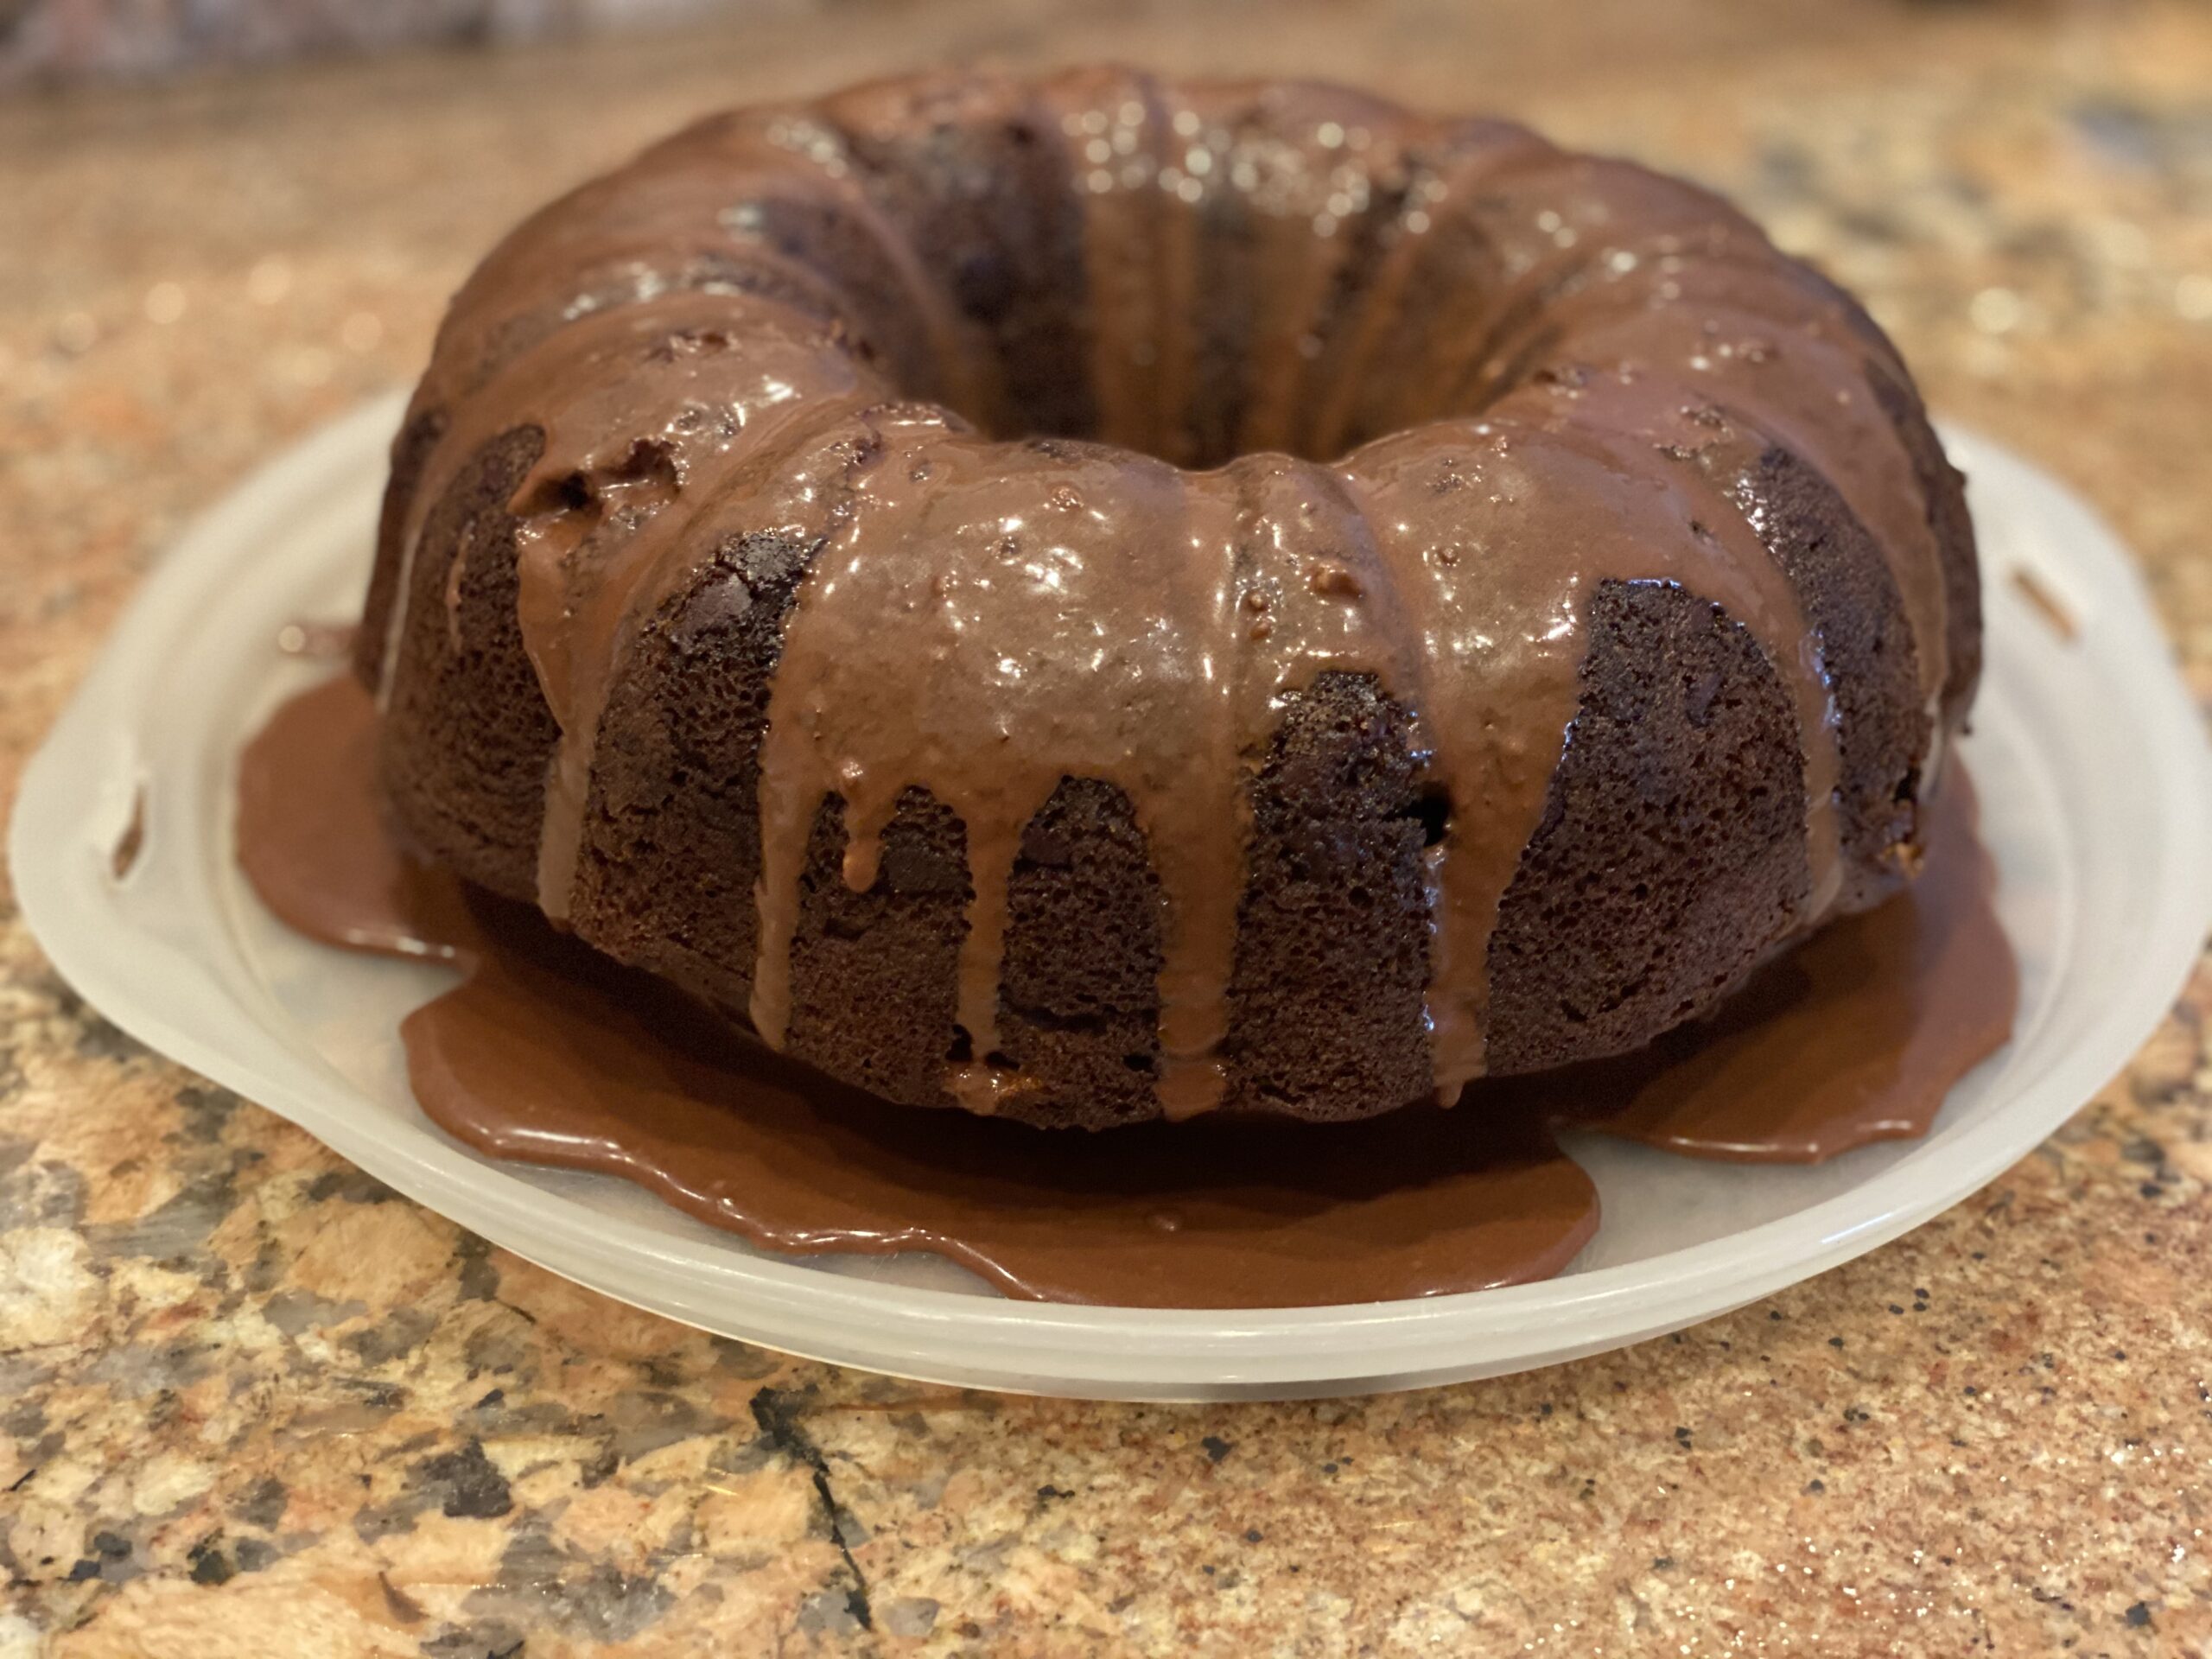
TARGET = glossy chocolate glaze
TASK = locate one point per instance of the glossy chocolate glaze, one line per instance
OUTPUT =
(547, 1053)
(1600, 362)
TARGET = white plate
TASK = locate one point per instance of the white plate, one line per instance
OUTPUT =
(2095, 786)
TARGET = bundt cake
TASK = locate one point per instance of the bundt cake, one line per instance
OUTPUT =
(1099, 597)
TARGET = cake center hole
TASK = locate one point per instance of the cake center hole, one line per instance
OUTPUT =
(1221, 329)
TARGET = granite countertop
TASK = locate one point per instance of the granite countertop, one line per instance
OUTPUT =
(255, 1403)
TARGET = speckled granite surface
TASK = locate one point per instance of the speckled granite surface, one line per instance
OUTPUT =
(254, 1404)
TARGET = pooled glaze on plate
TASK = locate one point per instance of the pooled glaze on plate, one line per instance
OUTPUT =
(547, 1053)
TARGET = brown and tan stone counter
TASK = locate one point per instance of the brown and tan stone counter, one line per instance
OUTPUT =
(254, 1403)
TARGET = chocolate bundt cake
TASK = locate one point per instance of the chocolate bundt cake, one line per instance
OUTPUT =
(1099, 598)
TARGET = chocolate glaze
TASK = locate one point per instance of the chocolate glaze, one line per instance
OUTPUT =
(764, 328)
(130, 842)
(311, 836)
(548, 1053)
